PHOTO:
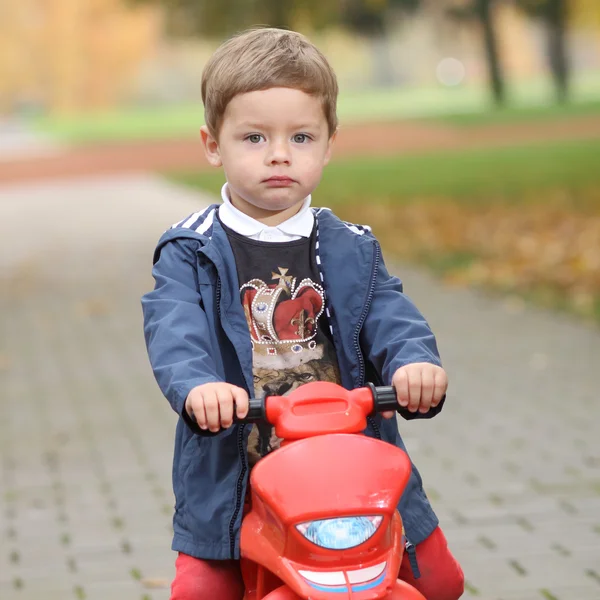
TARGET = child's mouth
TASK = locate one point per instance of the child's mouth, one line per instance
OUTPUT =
(279, 181)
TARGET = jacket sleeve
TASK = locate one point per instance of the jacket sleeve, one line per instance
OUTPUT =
(176, 327)
(396, 334)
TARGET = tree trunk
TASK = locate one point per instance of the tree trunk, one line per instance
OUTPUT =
(556, 18)
(278, 14)
(484, 14)
(383, 64)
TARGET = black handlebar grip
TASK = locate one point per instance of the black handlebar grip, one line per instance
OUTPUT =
(384, 398)
(256, 412)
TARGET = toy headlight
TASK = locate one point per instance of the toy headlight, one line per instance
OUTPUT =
(342, 533)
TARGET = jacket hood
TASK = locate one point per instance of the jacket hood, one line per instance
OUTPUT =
(199, 226)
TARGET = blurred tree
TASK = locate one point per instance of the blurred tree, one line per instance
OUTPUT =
(482, 11)
(61, 56)
(208, 17)
(374, 19)
(585, 13)
(554, 13)
(370, 18)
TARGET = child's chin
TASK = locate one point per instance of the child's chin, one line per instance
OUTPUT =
(278, 204)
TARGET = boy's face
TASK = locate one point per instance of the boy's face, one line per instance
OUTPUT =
(273, 145)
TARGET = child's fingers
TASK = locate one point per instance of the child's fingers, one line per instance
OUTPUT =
(400, 383)
(440, 386)
(427, 389)
(414, 389)
(195, 408)
(240, 398)
(200, 416)
(225, 398)
(211, 406)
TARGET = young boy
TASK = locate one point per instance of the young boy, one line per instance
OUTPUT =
(261, 294)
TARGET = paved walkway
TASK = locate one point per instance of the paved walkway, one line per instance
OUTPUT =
(19, 143)
(512, 465)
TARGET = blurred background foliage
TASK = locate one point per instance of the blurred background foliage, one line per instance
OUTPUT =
(63, 56)
(470, 129)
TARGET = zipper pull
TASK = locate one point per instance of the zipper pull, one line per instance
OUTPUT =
(411, 550)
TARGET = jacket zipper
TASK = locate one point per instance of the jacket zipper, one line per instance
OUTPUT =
(365, 311)
(240, 486)
(363, 316)
(240, 445)
(218, 298)
(411, 550)
(409, 546)
(375, 427)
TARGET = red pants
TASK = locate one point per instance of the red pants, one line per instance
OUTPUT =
(441, 575)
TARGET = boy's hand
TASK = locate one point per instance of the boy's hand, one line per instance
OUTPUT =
(212, 405)
(419, 387)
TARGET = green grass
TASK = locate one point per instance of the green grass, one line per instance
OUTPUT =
(124, 124)
(470, 104)
(520, 114)
(464, 105)
(506, 174)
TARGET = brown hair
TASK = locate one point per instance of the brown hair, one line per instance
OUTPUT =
(259, 59)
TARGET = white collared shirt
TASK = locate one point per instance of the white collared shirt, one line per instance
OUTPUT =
(295, 228)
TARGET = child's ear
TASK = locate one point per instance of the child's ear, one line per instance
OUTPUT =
(330, 146)
(211, 147)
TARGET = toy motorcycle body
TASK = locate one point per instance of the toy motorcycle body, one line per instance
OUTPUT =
(323, 522)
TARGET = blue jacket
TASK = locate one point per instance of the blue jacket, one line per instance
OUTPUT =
(196, 333)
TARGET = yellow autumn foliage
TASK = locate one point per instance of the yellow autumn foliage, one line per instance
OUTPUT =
(72, 54)
(544, 248)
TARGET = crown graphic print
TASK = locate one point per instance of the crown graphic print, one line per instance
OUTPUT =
(283, 319)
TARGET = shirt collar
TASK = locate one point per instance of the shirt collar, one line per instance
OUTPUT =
(301, 224)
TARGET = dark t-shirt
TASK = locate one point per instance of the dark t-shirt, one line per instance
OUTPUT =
(284, 305)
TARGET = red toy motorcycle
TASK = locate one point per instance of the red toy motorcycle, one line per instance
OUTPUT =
(323, 522)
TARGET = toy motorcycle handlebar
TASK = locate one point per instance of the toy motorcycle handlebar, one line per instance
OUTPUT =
(384, 399)
(256, 411)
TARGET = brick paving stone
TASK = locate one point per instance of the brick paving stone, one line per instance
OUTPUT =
(512, 465)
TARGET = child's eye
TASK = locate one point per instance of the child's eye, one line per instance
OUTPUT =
(254, 138)
(301, 138)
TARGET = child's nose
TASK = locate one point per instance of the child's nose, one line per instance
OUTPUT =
(279, 153)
